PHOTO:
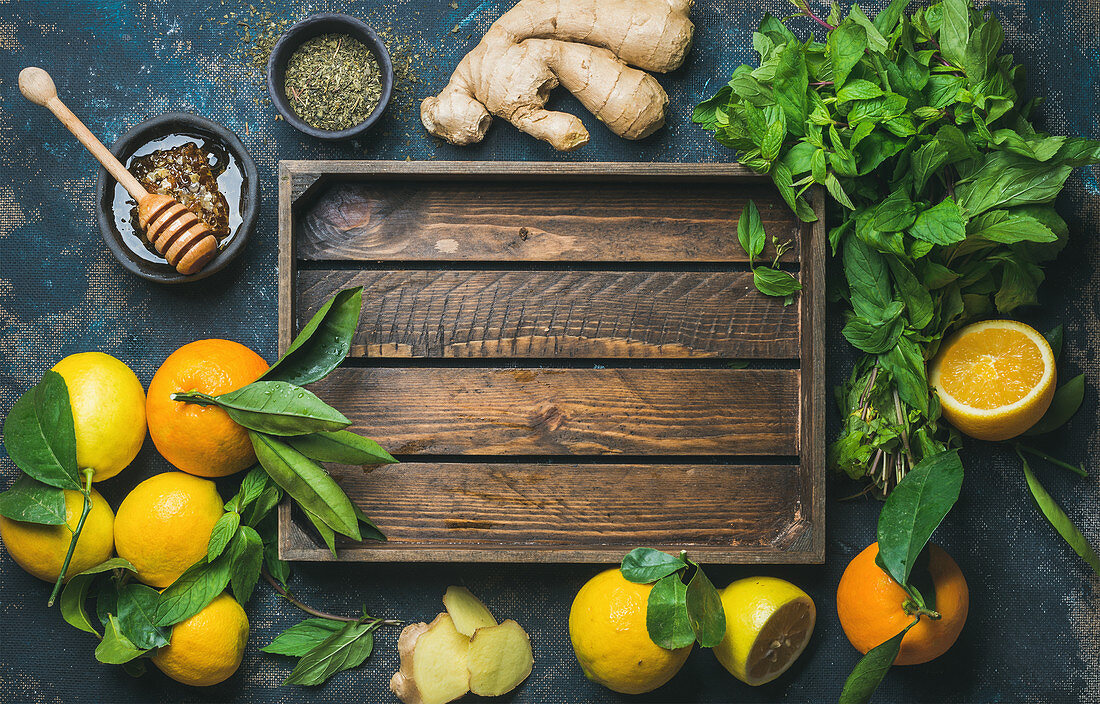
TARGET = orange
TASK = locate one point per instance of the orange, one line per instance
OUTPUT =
(208, 647)
(995, 379)
(870, 605)
(202, 440)
(163, 526)
(607, 626)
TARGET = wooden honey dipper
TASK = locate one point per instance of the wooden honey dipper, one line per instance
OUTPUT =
(178, 234)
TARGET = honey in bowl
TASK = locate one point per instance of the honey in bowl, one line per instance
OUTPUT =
(198, 172)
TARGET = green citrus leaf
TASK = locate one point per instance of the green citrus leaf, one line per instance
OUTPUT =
(31, 501)
(279, 408)
(667, 615)
(39, 434)
(323, 342)
(307, 483)
(645, 565)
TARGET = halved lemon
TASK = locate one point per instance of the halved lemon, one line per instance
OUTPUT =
(995, 379)
(769, 621)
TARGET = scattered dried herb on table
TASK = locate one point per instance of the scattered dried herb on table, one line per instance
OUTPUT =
(333, 82)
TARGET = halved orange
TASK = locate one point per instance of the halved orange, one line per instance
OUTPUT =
(995, 379)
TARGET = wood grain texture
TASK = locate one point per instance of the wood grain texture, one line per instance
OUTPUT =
(288, 265)
(576, 505)
(812, 435)
(570, 411)
(508, 221)
(554, 314)
(308, 176)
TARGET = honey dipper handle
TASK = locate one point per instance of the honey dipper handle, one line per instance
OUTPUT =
(37, 87)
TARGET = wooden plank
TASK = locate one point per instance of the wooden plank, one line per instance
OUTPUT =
(431, 411)
(433, 505)
(812, 436)
(393, 220)
(287, 261)
(307, 175)
(554, 314)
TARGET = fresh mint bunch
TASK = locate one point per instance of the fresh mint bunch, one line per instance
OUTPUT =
(914, 123)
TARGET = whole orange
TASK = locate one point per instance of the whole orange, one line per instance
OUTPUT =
(870, 605)
(202, 440)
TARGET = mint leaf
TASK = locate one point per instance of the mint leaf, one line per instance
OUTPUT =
(941, 224)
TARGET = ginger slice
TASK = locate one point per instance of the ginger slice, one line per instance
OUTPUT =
(434, 663)
(500, 658)
(467, 611)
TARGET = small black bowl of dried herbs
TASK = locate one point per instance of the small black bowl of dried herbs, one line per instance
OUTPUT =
(330, 76)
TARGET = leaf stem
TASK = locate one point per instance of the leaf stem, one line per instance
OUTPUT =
(904, 430)
(87, 491)
(195, 397)
(809, 13)
(1079, 471)
(285, 593)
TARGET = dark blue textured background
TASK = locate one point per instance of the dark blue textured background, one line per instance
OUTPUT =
(1034, 627)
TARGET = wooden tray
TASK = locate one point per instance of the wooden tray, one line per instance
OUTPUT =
(569, 359)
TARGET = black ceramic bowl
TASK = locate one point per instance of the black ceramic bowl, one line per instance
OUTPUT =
(128, 245)
(328, 23)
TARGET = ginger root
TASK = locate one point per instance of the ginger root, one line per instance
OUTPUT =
(583, 45)
(467, 611)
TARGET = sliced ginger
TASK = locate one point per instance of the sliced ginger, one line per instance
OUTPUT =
(467, 611)
(500, 658)
(440, 661)
(433, 663)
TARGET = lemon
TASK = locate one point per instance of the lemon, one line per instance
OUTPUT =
(41, 549)
(207, 648)
(608, 631)
(995, 379)
(768, 624)
(108, 411)
(163, 526)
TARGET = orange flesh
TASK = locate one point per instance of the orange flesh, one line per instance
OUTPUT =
(992, 368)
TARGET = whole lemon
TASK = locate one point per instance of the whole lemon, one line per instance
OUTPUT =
(769, 621)
(608, 630)
(41, 549)
(164, 524)
(108, 411)
(206, 648)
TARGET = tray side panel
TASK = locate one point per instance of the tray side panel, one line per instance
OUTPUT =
(558, 314)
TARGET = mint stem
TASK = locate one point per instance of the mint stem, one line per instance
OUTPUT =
(87, 491)
(809, 13)
(283, 592)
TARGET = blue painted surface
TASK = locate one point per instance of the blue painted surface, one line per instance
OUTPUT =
(1034, 627)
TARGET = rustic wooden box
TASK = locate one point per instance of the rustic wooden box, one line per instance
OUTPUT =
(569, 359)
